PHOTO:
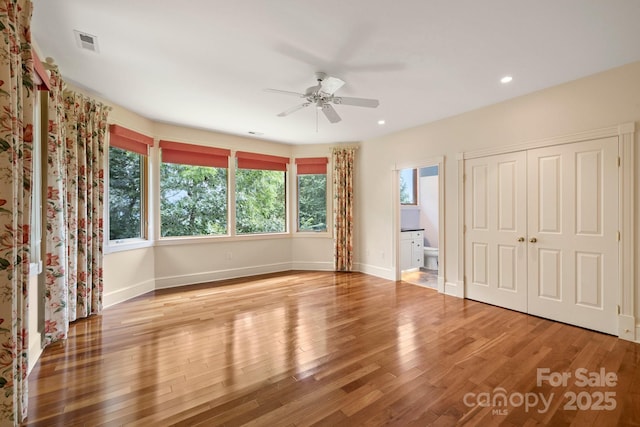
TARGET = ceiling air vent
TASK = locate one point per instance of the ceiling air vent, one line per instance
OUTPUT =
(86, 41)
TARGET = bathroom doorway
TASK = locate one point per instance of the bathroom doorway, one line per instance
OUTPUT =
(419, 227)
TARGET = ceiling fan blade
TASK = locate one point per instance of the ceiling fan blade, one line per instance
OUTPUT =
(285, 92)
(293, 109)
(331, 84)
(358, 102)
(330, 113)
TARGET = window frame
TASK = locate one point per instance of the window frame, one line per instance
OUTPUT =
(129, 140)
(38, 187)
(263, 162)
(193, 155)
(144, 200)
(308, 166)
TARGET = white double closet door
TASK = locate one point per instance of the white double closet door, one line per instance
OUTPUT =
(541, 232)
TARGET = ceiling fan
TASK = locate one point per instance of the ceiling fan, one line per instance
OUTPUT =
(322, 96)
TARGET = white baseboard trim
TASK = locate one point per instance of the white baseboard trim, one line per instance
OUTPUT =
(454, 289)
(214, 276)
(627, 327)
(637, 334)
(35, 351)
(441, 284)
(385, 273)
(312, 266)
(124, 294)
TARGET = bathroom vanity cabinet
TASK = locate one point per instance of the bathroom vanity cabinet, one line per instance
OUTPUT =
(411, 252)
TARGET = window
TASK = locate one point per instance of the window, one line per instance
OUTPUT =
(193, 190)
(127, 183)
(312, 194)
(408, 187)
(38, 156)
(36, 189)
(260, 193)
(126, 194)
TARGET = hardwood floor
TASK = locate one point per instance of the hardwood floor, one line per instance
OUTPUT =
(308, 348)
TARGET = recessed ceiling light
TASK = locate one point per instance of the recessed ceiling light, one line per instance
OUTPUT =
(506, 79)
(381, 122)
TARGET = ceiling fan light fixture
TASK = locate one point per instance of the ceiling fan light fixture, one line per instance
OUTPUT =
(323, 95)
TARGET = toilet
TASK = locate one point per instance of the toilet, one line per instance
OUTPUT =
(430, 258)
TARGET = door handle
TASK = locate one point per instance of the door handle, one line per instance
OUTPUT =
(533, 240)
(521, 239)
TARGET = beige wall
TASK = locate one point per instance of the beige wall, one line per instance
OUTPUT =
(598, 101)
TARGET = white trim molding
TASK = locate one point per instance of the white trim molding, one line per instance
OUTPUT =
(217, 275)
(454, 289)
(312, 266)
(626, 182)
(548, 142)
(121, 295)
(461, 240)
(441, 282)
(373, 270)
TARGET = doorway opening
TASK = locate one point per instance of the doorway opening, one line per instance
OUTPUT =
(419, 204)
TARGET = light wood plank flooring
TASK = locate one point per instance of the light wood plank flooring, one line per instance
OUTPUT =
(308, 348)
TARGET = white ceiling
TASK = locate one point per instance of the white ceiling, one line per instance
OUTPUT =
(206, 63)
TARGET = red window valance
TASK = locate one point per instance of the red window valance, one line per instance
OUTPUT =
(195, 155)
(41, 75)
(261, 161)
(127, 139)
(312, 165)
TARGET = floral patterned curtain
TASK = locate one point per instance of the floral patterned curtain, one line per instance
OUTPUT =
(16, 138)
(56, 295)
(86, 124)
(343, 159)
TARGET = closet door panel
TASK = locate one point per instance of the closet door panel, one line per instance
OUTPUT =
(573, 247)
(495, 219)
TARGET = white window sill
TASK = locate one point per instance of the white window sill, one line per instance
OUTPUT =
(189, 240)
(126, 245)
(132, 244)
(313, 234)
